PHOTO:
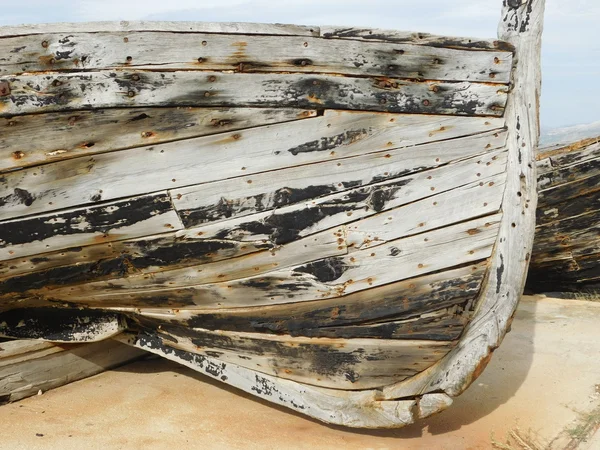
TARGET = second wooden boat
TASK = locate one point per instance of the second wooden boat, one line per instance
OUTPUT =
(335, 220)
(566, 252)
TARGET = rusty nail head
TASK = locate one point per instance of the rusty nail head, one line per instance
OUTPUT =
(204, 43)
(135, 77)
(4, 88)
(426, 102)
(200, 59)
(52, 61)
(45, 44)
(129, 59)
(125, 39)
(212, 78)
(131, 94)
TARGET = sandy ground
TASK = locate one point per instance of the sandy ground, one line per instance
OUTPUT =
(540, 383)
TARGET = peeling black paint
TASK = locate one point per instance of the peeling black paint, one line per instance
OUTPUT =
(95, 219)
(325, 270)
(54, 324)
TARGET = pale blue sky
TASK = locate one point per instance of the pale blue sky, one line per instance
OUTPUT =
(571, 52)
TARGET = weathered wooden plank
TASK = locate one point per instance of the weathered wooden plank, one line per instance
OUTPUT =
(349, 408)
(441, 249)
(443, 325)
(237, 197)
(563, 175)
(457, 205)
(69, 135)
(291, 222)
(15, 351)
(123, 219)
(351, 364)
(396, 36)
(185, 51)
(569, 200)
(67, 363)
(109, 89)
(522, 24)
(60, 324)
(174, 27)
(566, 249)
(549, 159)
(404, 300)
(114, 259)
(326, 244)
(205, 159)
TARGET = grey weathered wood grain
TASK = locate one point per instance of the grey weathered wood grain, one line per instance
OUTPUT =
(236, 197)
(566, 251)
(415, 38)
(405, 300)
(460, 191)
(56, 365)
(522, 24)
(350, 408)
(174, 27)
(122, 219)
(70, 135)
(185, 51)
(108, 89)
(351, 364)
(397, 260)
(192, 161)
(457, 205)
(117, 258)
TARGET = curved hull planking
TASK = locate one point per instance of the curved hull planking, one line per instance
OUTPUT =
(336, 220)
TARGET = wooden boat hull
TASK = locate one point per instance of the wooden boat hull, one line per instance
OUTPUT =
(566, 252)
(336, 220)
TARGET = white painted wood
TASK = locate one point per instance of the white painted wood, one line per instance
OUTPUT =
(369, 362)
(522, 26)
(70, 135)
(361, 409)
(109, 89)
(381, 197)
(237, 197)
(174, 27)
(180, 51)
(211, 158)
(82, 227)
(414, 256)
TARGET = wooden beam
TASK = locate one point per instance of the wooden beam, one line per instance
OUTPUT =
(71, 135)
(30, 367)
(111, 89)
(137, 171)
(173, 27)
(294, 54)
